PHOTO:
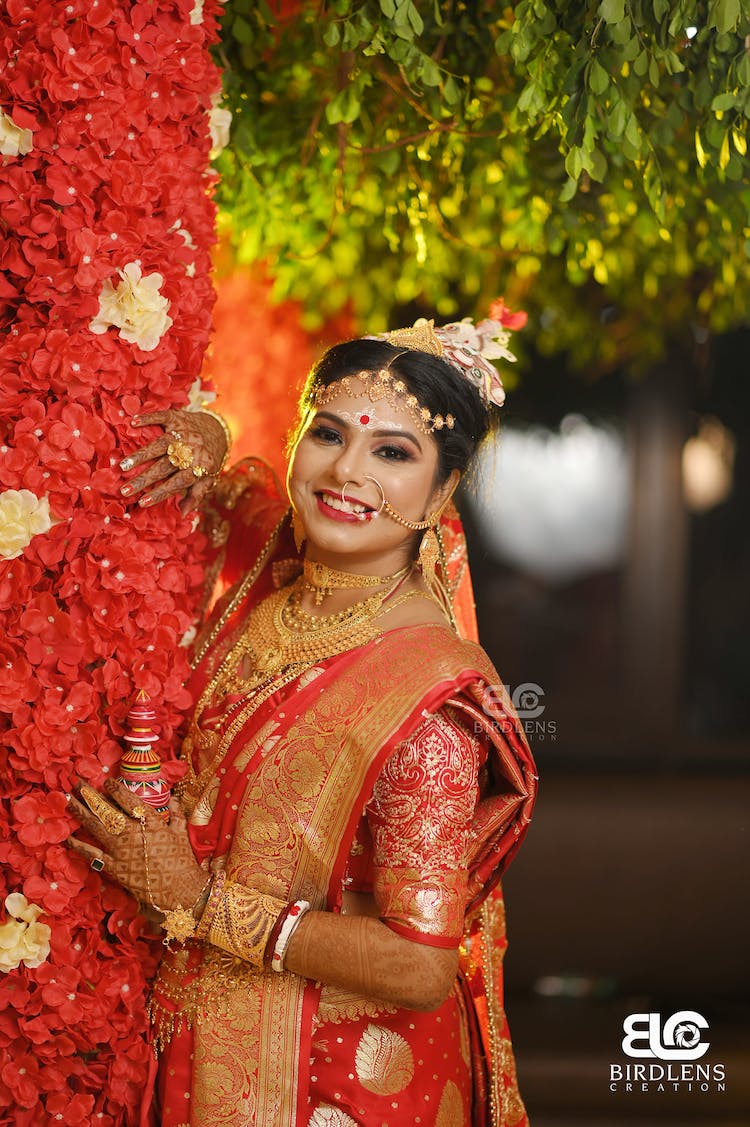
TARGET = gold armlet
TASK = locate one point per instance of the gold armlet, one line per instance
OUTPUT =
(243, 922)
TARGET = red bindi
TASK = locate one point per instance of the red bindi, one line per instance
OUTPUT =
(364, 420)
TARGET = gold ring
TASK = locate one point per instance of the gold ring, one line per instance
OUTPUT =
(180, 455)
(113, 820)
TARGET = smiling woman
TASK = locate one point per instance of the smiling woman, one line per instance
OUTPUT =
(356, 779)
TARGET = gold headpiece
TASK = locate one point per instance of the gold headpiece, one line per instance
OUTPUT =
(384, 385)
(420, 336)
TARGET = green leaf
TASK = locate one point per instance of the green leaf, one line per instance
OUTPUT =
(574, 163)
(726, 14)
(242, 31)
(633, 133)
(332, 35)
(388, 8)
(653, 72)
(570, 187)
(724, 102)
(618, 119)
(640, 66)
(527, 97)
(598, 78)
(450, 90)
(430, 72)
(344, 108)
(415, 20)
(597, 165)
(612, 11)
(661, 10)
(502, 43)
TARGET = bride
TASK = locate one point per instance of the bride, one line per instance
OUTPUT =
(355, 777)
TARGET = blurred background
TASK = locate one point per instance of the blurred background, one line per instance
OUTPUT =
(384, 161)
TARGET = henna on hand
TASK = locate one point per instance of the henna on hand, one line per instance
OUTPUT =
(363, 955)
(207, 440)
(166, 873)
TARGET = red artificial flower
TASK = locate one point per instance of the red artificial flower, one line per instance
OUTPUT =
(499, 311)
(42, 818)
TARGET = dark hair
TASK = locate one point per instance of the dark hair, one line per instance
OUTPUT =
(436, 384)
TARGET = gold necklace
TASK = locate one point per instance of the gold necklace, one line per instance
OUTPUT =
(323, 580)
(280, 641)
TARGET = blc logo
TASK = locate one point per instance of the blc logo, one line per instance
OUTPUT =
(678, 1039)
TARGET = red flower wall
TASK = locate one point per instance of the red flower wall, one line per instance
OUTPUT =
(116, 94)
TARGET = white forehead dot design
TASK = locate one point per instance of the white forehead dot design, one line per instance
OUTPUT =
(368, 420)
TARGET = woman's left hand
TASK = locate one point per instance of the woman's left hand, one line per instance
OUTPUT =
(153, 861)
(194, 438)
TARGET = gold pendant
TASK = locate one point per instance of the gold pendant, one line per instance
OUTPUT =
(178, 925)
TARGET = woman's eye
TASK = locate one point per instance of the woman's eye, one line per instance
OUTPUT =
(325, 434)
(394, 453)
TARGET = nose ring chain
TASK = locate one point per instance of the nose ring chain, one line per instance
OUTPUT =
(385, 506)
(412, 525)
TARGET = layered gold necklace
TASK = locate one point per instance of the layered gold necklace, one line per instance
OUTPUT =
(281, 633)
(280, 641)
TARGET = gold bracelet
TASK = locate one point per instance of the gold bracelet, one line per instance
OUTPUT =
(228, 434)
(180, 923)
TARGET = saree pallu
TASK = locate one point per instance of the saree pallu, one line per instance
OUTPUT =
(280, 814)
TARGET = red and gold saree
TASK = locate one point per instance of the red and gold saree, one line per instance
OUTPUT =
(300, 806)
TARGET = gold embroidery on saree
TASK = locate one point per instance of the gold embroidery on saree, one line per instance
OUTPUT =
(337, 1005)
(384, 1061)
(431, 903)
(451, 1108)
(327, 1116)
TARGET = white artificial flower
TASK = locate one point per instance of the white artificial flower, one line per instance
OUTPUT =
(135, 307)
(22, 939)
(14, 141)
(22, 516)
(198, 396)
(219, 124)
(196, 15)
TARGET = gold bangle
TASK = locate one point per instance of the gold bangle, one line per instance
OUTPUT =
(227, 433)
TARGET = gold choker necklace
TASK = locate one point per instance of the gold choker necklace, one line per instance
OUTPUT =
(323, 580)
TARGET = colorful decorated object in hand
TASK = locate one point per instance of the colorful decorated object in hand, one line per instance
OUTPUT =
(140, 765)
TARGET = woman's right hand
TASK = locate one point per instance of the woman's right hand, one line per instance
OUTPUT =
(201, 437)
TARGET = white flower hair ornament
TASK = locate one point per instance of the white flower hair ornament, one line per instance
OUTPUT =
(467, 347)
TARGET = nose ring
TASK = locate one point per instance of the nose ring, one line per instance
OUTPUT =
(381, 491)
(374, 513)
(345, 499)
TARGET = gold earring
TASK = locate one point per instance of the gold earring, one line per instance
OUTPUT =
(298, 530)
(429, 553)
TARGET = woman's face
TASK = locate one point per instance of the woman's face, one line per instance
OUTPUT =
(348, 442)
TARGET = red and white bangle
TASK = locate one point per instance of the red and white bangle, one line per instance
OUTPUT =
(288, 928)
